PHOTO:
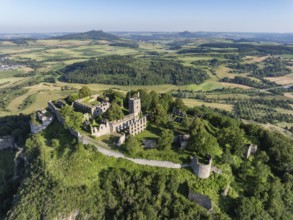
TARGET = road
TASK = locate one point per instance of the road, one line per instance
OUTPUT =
(116, 154)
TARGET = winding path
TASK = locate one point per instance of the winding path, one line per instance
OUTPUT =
(112, 153)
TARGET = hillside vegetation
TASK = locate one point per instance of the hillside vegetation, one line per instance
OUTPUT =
(60, 169)
(124, 70)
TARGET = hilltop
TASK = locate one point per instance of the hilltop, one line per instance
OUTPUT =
(92, 35)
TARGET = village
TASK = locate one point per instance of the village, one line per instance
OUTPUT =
(4, 66)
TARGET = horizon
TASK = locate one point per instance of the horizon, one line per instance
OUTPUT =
(73, 32)
(32, 16)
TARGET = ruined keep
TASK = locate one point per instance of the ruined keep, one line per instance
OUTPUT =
(201, 170)
(135, 105)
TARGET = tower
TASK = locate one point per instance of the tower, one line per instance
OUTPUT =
(135, 105)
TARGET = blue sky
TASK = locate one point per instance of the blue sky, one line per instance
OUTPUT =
(146, 15)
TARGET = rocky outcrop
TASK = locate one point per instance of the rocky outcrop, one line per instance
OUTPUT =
(6, 142)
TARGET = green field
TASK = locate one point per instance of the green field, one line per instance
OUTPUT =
(46, 57)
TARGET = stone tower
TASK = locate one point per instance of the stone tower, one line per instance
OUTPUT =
(135, 105)
(201, 170)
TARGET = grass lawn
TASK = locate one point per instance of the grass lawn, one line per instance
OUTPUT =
(152, 132)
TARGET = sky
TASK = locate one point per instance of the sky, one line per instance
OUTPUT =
(43, 16)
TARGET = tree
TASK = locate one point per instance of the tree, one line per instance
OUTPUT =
(179, 104)
(166, 139)
(114, 112)
(84, 92)
(146, 100)
(235, 137)
(132, 145)
(115, 96)
(71, 98)
(155, 98)
(167, 100)
(72, 119)
(186, 123)
(202, 141)
(159, 114)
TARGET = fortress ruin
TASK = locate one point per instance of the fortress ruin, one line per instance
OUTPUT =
(200, 169)
(133, 123)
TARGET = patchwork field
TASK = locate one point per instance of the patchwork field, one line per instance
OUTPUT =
(282, 80)
(45, 58)
(193, 102)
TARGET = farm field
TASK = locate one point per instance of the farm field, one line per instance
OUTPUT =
(193, 102)
(39, 80)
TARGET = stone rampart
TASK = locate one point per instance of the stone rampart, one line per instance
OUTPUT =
(201, 200)
(201, 170)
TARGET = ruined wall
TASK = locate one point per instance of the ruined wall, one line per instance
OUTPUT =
(54, 110)
(138, 126)
(103, 129)
(201, 200)
(101, 109)
(82, 108)
(122, 124)
(251, 149)
(121, 140)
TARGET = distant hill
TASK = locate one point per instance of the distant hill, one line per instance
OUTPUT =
(122, 70)
(91, 35)
(242, 36)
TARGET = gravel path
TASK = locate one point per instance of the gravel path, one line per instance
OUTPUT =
(112, 153)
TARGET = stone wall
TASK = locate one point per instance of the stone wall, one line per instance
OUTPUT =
(101, 108)
(122, 124)
(54, 110)
(201, 200)
(82, 108)
(121, 140)
(138, 126)
(103, 129)
(251, 149)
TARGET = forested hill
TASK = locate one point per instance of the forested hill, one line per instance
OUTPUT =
(90, 35)
(122, 70)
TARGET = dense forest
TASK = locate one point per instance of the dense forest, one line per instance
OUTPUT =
(125, 70)
(131, 44)
(263, 84)
(248, 48)
(272, 67)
